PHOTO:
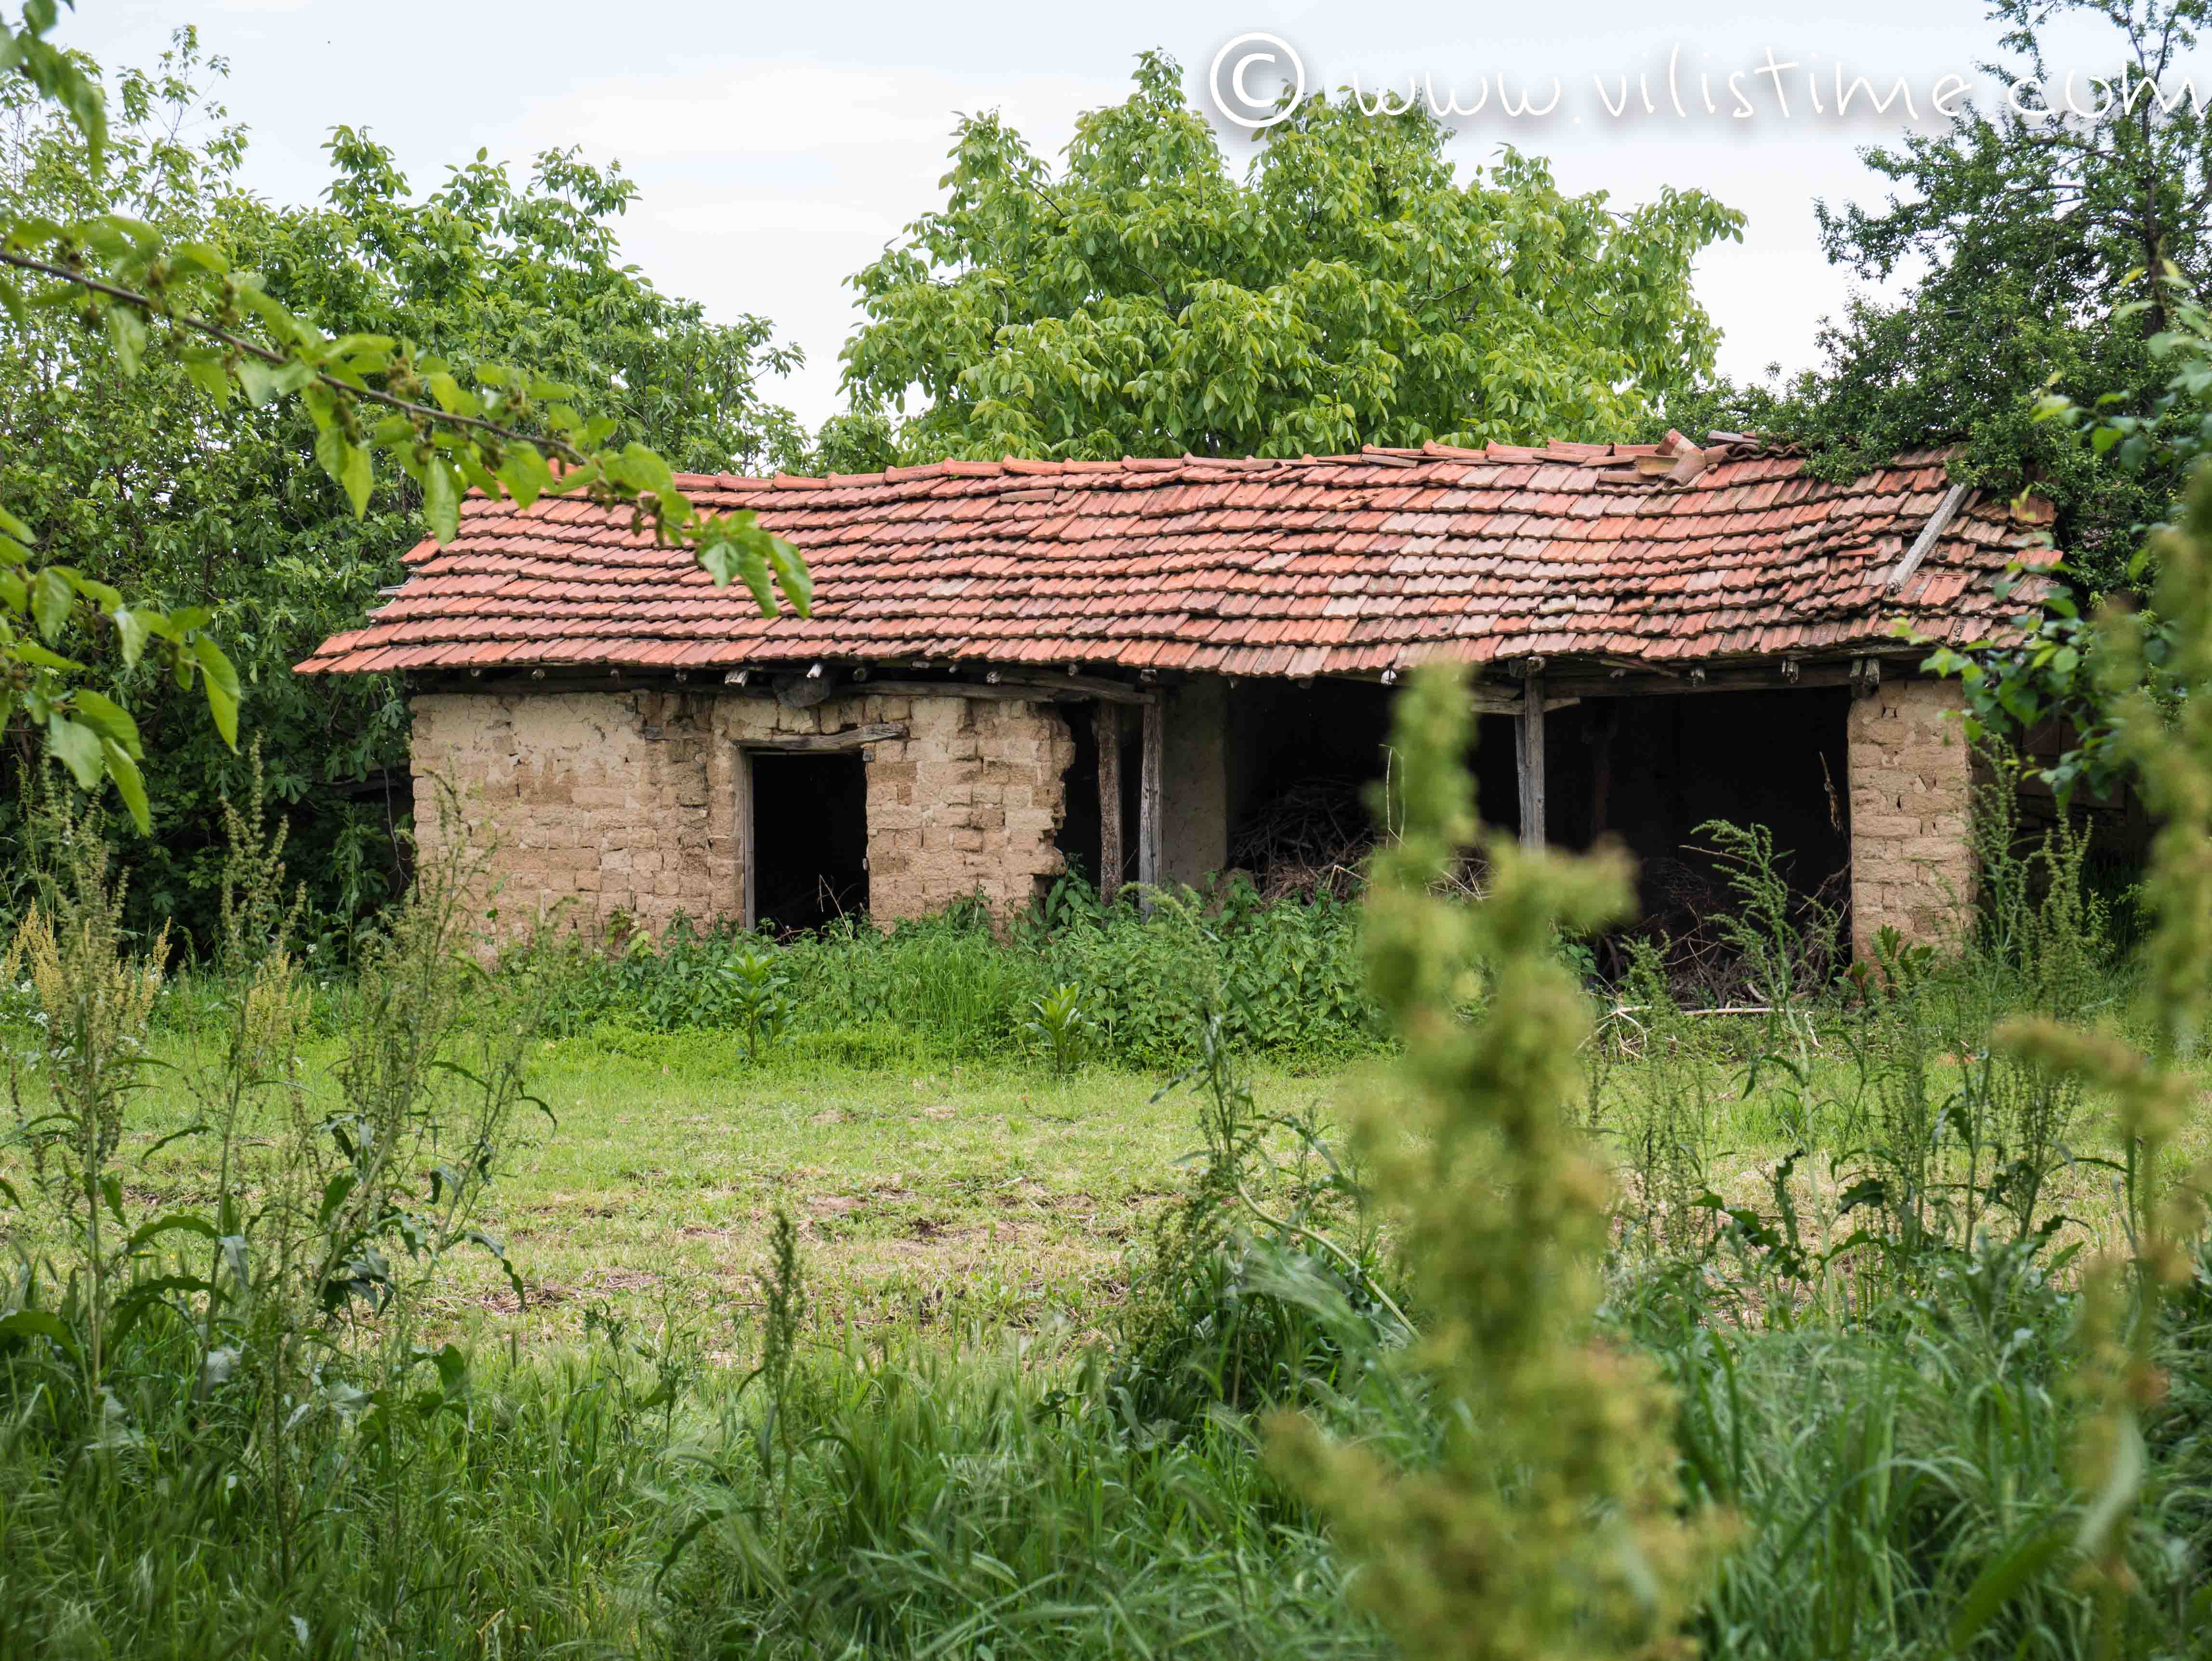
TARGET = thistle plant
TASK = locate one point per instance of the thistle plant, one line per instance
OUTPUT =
(1552, 1525)
(2153, 1086)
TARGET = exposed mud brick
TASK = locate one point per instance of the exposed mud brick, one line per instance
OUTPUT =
(1913, 866)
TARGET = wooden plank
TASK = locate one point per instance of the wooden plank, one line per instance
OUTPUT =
(1528, 763)
(852, 737)
(1734, 678)
(1106, 723)
(1148, 795)
(1938, 522)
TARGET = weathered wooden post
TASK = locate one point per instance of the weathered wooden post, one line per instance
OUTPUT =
(1106, 723)
(1528, 755)
(1148, 795)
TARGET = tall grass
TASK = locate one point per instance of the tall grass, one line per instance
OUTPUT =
(938, 1507)
(1280, 978)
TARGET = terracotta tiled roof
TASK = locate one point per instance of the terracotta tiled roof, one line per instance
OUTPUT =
(1343, 564)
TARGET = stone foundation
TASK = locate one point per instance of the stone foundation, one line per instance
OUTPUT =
(1913, 866)
(595, 806)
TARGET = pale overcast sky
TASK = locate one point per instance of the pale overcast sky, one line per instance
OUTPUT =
(779, 147)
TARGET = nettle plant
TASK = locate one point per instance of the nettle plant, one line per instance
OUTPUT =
(376, 401)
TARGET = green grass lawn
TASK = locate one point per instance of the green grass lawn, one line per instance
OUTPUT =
(946, 1197)
(968, 1202)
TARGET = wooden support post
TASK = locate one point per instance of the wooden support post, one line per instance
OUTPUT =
(1529, 760)
(747, 891)
(1148, 795)
(1106, 723)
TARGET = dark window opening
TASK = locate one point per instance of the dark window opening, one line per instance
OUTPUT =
(1077, 838)
(1497, 770)
(809, 838)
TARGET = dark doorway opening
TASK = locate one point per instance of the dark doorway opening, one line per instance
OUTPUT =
(809, 838)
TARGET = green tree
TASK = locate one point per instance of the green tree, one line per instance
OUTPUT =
(227, 511)
(2025, 231)
(1350, 289)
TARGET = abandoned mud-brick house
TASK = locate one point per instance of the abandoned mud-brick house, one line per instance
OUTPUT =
(1137, 668)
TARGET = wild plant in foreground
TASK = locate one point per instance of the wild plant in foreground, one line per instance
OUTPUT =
(2153, 1088)
(95, 997)
(1552, 1524)
(270, 1324)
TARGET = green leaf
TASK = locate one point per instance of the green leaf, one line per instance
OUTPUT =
(39, 1324)
(176, 1222)
(77, 747)
(129, 784)
(348, 463)
(524, 471)
(205, 255)
(453, 1366)
(126, 335)
(105, 717)
(1998, 1583)
(452, 397)
(334, 1194)
(221, 682)
(256, 380)
(32, 652)
(264, 381)
(727, 561)
(131, 631)
(441, 499)
(53, 596)
(791, 571)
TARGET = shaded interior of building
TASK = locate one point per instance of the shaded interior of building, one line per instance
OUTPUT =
(1277, 780)
(1649, 771)
(809, 837)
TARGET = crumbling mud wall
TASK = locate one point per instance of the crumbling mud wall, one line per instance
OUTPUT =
(1911, 783)
(967, 804)
(588, 807)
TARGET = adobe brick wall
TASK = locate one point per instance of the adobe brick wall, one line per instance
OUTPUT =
(599, 803)
(967, 803)
(1913, 866)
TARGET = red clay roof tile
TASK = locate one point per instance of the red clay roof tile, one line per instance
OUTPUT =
(1337, 565)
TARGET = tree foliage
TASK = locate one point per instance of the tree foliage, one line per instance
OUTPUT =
(240, 414)
(1350, 289)
(2024, 233)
